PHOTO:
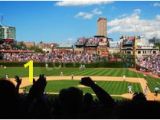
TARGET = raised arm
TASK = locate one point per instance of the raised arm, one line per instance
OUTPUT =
(38, 87)
(102, 95)
(19, 81)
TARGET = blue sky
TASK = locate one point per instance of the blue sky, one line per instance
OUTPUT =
(61, 21)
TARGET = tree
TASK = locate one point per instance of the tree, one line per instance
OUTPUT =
(157, 45)
(36, 49)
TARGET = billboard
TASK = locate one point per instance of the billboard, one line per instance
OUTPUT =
(128, 42)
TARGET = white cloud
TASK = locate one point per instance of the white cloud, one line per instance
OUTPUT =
(156, 4)
(123, 15)
(134, 24)
(137, 11)
(84, 15)
(88, 15)
(96, 11)
(82, 2)
(158, 17)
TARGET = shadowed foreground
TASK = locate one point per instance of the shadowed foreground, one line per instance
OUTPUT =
(70, 103)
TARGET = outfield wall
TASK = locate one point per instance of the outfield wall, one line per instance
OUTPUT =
(89, 65)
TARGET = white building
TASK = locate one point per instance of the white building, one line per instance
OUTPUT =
(144, 48)
(137, 46)
(7, 32)
(114, 47)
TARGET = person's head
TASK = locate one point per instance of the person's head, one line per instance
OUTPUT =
(7, 90)
(139, 98)
(8, 99)
(71, 98)
(88, 98)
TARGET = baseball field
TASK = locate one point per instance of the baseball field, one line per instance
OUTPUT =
(110, 79)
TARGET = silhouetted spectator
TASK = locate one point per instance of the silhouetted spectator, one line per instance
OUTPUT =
(9, 107)
(71, 100)
(36, 103)
(70, 103)
(102, 95)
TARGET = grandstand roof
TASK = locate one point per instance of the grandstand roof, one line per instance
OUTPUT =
(99, 36)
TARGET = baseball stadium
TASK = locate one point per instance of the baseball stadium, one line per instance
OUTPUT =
(95, 77)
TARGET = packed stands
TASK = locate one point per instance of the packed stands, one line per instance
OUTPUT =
(55, 56)
(150, 63)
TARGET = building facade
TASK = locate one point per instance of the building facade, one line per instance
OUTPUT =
(127, 45)
(93, 45)
(29, 44)
(102, 27)
(7, 32)
(136, 46)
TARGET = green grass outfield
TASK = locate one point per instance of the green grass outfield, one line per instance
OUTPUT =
(117, 72)
(112, 87)
(152, 82)
(23, 72)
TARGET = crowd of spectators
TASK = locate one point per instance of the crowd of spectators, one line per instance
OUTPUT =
(81, 41)
(5, 46)
(55, 56)
(13, 53)
(70, 102)
(150, 63)
(11, 46)
(90, 41)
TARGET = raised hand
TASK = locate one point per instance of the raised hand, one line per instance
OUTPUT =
(102, 95)
(38, 87)
(34, 81)
(18, 80)
(87, 81)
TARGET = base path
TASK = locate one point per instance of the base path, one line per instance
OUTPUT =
(141, 81)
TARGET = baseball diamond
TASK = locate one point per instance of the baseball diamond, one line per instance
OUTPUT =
(110, 79)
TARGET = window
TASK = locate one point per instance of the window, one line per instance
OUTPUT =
(128, 52)
(154, 52)
(139, 52)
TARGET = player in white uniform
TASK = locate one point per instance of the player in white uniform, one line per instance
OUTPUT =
(61, 74)
(130, 88)
(156, 90)
(6, 76)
